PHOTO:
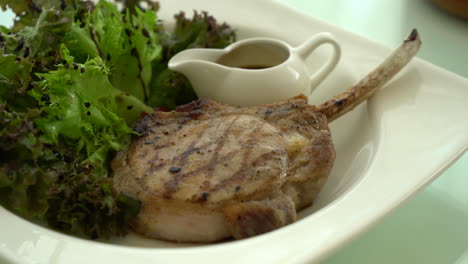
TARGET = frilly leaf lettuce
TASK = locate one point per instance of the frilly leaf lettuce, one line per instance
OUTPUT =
(56, 158)
(74, 77)
(127, 43)
(40, 39)
(28, 11)
(83, 93)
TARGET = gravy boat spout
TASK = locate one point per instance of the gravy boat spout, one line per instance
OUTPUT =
(201, 68)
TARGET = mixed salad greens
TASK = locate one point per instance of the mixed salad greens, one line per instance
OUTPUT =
(74, 76)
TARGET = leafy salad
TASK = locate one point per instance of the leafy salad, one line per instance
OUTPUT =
(74, 77)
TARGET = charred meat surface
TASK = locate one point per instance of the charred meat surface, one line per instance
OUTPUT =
(209, 171)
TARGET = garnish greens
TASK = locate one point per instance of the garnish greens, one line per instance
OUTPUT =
(74, 77)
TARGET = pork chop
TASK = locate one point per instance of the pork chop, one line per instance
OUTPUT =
(209, 171)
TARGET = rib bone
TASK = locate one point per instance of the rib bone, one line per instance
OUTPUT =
(361, 91)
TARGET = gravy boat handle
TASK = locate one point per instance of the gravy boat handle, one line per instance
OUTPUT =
(305, 49)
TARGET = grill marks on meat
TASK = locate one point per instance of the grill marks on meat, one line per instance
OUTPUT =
(210, 171)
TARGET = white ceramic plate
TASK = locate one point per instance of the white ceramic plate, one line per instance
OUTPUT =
(387, 149)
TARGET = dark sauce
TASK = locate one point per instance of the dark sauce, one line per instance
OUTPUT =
(255, 67)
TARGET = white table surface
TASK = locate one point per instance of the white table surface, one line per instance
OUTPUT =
(432, 227)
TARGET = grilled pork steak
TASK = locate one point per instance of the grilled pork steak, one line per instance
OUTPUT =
(208, 171)
(234, 171)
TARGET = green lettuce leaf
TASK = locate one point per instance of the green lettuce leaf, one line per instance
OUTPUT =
(127, 43)
(28, 12)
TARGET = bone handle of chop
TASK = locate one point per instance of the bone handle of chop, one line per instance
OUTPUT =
(354, 95)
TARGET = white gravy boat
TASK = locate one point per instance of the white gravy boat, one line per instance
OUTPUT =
(256, 70)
